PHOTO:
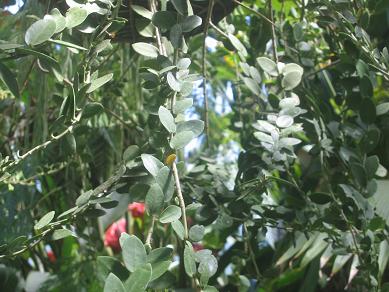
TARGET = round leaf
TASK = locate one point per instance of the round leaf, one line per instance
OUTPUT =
(196, 232)
(291, 79)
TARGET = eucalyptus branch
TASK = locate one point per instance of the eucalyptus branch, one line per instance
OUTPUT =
(204, 69)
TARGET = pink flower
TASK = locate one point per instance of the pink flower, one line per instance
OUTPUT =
(112, 234)
(137, 209)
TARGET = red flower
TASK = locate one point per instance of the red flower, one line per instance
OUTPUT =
(112, 234)
(51, 256)
(137, 209)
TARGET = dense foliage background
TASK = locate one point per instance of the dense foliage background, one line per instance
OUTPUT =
(205, 145)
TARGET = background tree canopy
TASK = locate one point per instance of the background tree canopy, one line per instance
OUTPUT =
(194, 145)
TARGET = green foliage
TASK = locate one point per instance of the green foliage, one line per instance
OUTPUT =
(283, 188)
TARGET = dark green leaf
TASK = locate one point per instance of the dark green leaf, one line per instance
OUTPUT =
(367, 111)
(320, 198)
(91, 109)
(181, 6)
(164, 19)
(176, 36)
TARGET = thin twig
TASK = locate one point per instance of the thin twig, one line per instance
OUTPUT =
(150, 232)
(218, 29)
(180, 198)
(336, 62)
(254, 11)
(204, 70)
